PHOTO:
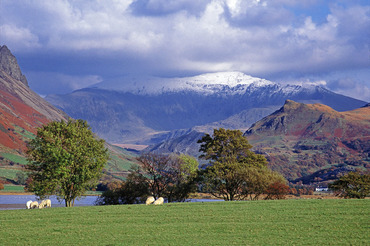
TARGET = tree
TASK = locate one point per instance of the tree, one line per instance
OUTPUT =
(234, 171)
(21, 178)
(65, 160)
(132, 191)
(168, 176)
(1, 186)
(352, 185)
(277, 190)
(229, 146)
(188, 166)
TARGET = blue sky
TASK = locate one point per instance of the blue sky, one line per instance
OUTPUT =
(63, 45)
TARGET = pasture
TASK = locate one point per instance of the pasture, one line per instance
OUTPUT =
(284, 222)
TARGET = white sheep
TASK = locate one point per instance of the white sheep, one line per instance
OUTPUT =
(159, 201)
(45, 203)
(149, 200)
(28, 204)
(34, 204)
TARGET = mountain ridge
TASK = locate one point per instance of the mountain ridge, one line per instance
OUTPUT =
(138, 117)
(309, 137)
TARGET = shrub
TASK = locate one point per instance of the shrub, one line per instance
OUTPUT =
(277, 190)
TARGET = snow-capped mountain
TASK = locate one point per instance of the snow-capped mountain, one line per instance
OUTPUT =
(148, 110)
(229, 83)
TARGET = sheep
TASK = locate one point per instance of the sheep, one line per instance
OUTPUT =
(159, 201)
(149, 200)
(28, 204)
(45, 203)
(34, 204)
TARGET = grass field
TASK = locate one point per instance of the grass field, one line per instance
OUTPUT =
(13, 188)
(285, 222)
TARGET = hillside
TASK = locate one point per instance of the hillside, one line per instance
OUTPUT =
(149, 110)
(305, 142)
(300, 139)
(22, 111)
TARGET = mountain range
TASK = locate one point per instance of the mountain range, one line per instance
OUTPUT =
(304, 142)
(151, 110)
(316, 137)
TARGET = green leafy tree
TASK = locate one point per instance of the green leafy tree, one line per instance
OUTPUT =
(352, 185)
(234, 172)
(65, 160)
(21, 178)
(188, 166)
(229, 146)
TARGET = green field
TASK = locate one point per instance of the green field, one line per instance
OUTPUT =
(284, 222)
(13, 188)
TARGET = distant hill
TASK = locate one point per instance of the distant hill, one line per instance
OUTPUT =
(305, 142)
(150, 110)
(300, 139)
(22, 111)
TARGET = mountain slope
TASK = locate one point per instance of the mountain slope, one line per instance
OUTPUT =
(22, 111)
(142, 111)
(300, 139)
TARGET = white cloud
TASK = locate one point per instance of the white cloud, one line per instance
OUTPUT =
(18, 38)
(262, 38)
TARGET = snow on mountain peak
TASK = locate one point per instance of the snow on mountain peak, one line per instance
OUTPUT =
(209, 83)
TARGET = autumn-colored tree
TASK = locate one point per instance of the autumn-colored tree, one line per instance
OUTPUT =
(277, 190)
(1, 186)
(65, 159)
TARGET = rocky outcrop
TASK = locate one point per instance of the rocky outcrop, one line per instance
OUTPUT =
(14, 83)
(9, 65)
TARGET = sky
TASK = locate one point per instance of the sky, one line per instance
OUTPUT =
(64, 45)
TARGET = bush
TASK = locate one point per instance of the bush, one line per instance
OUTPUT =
(277, 190)
(132, 191)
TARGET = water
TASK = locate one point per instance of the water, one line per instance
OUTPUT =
(19, 201)
(22, 199)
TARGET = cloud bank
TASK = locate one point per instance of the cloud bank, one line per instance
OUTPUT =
(275, 39)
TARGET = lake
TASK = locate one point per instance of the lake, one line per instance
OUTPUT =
(15, 201)
(19, 201)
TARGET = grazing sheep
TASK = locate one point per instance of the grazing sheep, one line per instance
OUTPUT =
(149, 200)
(48, 203)
(159, 201)
(45, 203)
(28, 204)
(34, 204)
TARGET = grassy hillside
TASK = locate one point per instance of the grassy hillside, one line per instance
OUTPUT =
(285, 222)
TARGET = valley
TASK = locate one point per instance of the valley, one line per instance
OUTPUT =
(307, 133)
